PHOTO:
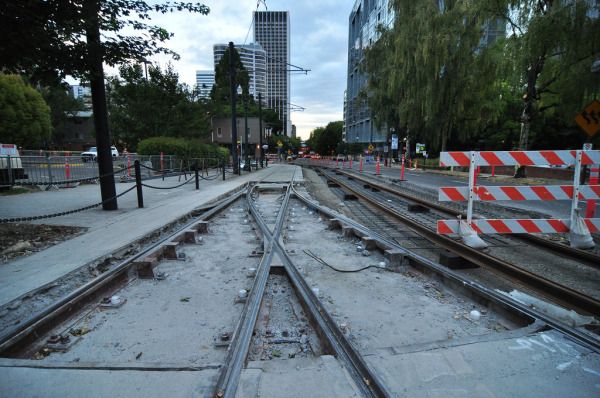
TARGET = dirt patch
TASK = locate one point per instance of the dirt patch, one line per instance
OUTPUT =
(20, 239)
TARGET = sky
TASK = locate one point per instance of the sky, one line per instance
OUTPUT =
(319, 42)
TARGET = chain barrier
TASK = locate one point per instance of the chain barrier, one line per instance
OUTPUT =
(70, 181)
(32, 218)
(19, 219)
(176, 186)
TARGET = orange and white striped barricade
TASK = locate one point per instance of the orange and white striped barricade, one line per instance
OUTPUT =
(574, 192)
(591, 203)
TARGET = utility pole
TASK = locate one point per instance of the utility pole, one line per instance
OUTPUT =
(232, 91)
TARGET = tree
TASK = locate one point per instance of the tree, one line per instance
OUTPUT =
(62, 107)
(220, 92)
(330, 138)
(141, 108)
(549, 56)
(430, 73)
(24, 116)
(49, 40)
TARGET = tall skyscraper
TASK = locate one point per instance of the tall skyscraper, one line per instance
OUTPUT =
(272, 31)
(205, 79)
(254, 59)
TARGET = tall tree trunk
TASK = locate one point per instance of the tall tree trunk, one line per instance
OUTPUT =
(105, 161)
(530, 96)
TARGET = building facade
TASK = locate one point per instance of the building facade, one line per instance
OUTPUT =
(272, 32)
(205, 80)
(222, 133)
(366, 15)
(254, 59)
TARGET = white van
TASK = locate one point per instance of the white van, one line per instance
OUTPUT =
(10, 151)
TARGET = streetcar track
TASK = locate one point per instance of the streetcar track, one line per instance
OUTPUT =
(563, 295)
(270, 236)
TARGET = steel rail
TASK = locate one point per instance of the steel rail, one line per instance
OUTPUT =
(552, 290)
(582, 256)
(366, 380)
(40, 320)
(458, 280)
(230, 373)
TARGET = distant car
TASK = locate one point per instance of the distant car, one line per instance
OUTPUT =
(92, 154)
(340, 157)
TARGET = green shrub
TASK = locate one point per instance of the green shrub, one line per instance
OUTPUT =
(181, 148)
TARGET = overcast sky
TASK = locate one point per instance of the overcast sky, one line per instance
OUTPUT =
(319, 37)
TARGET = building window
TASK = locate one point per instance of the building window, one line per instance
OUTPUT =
(219, 132)
(79, 136)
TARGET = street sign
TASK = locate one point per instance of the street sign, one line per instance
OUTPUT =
(394, 141)
(420, 148)
(587, 146)
(279, 143)
(589, 118)
(385, 148)
(371, 147)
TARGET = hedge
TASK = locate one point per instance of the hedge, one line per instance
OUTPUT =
(181, 148)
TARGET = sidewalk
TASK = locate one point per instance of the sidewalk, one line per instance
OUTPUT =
(108, 231)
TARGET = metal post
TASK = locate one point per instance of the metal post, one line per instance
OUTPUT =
(196, 171)
(576, 177)
(223, 168)
(471, 188)
(260, 130)
(232, 92)
(138, 183)
(246, 134)
(9, 170)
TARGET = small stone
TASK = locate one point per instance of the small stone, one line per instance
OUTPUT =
(366, 253)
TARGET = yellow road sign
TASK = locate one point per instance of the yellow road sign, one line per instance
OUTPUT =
(589, 118)
(279, 143)
(371, 147)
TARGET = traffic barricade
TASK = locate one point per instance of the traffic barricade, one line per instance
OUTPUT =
(578, 228)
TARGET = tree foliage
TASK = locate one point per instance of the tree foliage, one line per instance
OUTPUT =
(24, 116)
(549, 55)
(141, 108)
(63, 109)
(221, 91)
(437, 76)
(429, 73)
(330, 138)
(182, 149)
(47, 39)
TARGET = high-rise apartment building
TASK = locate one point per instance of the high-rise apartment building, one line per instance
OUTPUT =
(272, 31)
(205, 80)
(254, 59)
(366, 15)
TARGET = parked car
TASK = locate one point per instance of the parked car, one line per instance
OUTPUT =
(10, 152)
(92, 154)
(340, 157)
